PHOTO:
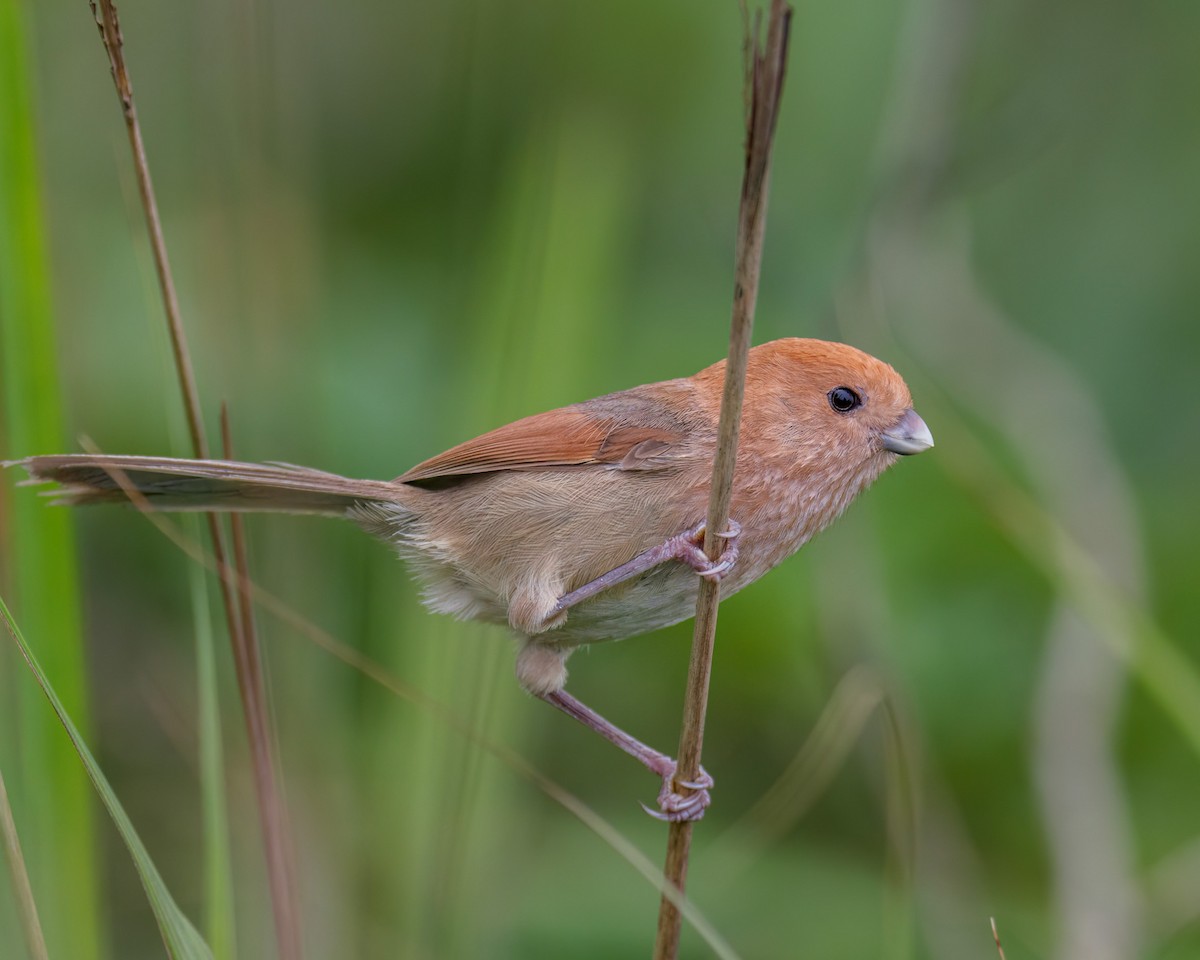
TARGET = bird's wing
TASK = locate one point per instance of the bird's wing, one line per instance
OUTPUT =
(570, 436)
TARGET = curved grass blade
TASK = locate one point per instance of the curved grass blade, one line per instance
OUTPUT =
(37, 555)
(219, 924)
(182, 940)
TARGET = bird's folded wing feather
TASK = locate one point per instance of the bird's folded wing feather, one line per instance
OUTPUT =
(569, 436)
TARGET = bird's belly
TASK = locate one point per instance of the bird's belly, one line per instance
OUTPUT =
(658, 598)
(667, 593)
(457, 582)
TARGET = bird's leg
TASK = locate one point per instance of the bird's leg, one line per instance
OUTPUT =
(674, 806)
(686, 547)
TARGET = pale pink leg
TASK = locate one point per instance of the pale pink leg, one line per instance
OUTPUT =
(672, 804)
(684, 547)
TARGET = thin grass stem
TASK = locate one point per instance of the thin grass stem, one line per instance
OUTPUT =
(31, 927)
(245, 650)
(766, 88)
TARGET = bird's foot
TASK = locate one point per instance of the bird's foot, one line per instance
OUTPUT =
(673, 806)
(689, 548)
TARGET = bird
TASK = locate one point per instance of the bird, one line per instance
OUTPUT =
(584, 523)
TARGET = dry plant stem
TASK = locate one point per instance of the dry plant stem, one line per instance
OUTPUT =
(252, 685)
(245, 650)
(253, 663)
(35, 943)
(110, 34)
(766, 75)
(996, 937)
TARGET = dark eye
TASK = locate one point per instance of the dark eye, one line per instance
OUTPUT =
(843, 399)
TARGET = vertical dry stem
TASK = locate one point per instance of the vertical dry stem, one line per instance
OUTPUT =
(35, 941)
(996, 937)
(766, 73)
(244, 643)
(272, 808)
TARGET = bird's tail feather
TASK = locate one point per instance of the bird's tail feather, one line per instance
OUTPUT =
(170, 484)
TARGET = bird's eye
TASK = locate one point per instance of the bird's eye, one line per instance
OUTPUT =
(843, 399)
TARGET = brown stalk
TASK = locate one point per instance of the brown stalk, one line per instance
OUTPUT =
(244, 643)
(31, 927)
(272, 808)
(996, 937)
(765, 81)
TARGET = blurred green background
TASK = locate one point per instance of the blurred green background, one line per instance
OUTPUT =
(396, 225)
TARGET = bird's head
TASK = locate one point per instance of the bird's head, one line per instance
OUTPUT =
(836, 401)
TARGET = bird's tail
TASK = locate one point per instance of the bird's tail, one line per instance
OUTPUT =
(170, 484)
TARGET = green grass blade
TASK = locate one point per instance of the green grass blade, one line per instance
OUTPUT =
(181, 938)
(49, 795)
(538, 311)
(218, 872)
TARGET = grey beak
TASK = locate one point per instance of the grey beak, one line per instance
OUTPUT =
(909, 435)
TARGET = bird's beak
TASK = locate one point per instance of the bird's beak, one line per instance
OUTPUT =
(909, 435)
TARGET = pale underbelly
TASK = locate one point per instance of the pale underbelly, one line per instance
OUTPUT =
(658, 598)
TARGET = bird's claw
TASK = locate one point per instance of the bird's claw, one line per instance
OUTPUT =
(717, 570)
(675, 807)
(731, 532)
(692, 550)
